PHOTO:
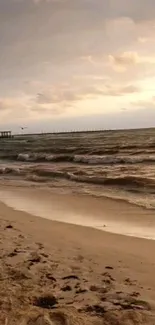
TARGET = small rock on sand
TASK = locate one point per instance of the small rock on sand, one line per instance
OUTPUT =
(9, 227)
(109, 267)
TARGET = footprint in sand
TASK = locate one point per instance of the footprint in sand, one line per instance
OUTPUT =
(63, 316)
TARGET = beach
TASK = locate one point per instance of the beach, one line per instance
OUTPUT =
(77, 230)
(77, 162)
(93, 276)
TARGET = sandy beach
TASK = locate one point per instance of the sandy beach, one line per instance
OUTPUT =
(77, 162)
(54, 272)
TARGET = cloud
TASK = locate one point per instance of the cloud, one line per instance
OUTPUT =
(12, 108)
(125, 60)
(143, 40)
(87, 58)
(129, 119)
(58, 95)
(7, 103)
(66, 95)
(46, 1)
(59, 100)
(123, 109)
(147, 104)
(65, 56)
(120, 90)
(3, 106)
(38, 1)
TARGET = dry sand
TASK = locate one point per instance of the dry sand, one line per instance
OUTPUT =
(57, 273)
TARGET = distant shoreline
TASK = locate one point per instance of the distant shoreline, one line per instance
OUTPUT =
(82, 131)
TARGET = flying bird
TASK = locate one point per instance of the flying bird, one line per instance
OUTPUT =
(23, 128)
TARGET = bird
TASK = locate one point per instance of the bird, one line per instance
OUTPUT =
(23, 128)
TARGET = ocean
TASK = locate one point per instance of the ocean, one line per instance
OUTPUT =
(115, 164)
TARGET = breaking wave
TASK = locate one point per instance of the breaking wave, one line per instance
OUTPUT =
(112, 161)
(46, 174)
(86, 159)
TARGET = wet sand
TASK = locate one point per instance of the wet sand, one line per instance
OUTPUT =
(115, 216)
(99, 274)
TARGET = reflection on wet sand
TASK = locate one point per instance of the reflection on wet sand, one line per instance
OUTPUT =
(102, 213)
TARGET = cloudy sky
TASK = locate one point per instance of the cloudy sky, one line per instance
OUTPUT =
(72, 64)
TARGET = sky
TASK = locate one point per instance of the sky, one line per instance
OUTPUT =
(77, 64)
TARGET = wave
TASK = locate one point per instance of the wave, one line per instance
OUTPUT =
(101, 160)
(8, 171)
(125, 181)
(86, 159)
(43, 174)
(37, 157)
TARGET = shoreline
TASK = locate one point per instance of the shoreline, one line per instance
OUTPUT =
(35, 226)
(105, 214)
(125, 265)
(131, 196)
(83, 238)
